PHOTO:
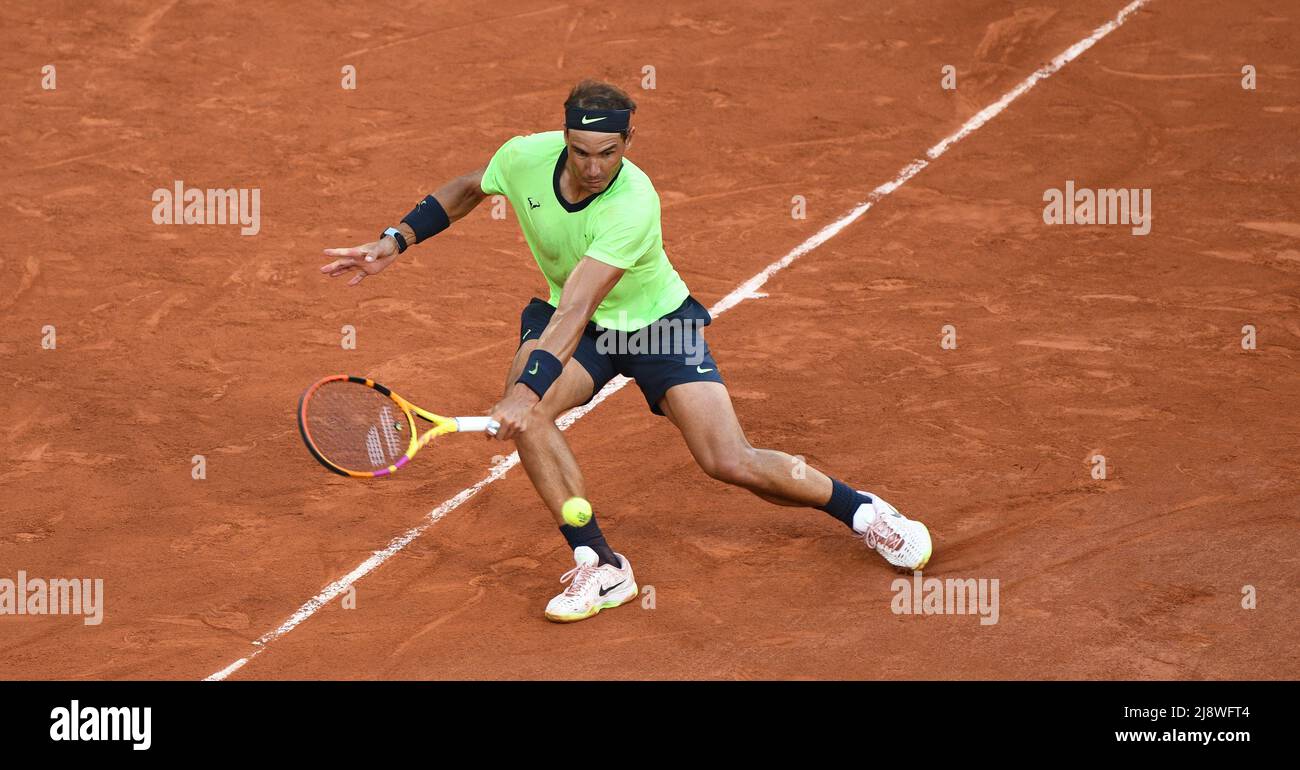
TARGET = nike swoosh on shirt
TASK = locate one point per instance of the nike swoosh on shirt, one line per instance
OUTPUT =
(702, 371)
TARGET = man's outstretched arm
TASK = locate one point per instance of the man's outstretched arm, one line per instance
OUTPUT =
(457, 198)
(453, 200)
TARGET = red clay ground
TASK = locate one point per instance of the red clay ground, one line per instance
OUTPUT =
(175, 341)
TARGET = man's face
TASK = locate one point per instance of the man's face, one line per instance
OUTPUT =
(594, 156)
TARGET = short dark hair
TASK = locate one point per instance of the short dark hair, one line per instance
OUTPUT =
(597, 95)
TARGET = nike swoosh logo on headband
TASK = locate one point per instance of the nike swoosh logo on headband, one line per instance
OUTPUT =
(585, 121)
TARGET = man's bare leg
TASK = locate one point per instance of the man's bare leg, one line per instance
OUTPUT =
(545, 454)
(702, 411)
(554, 471)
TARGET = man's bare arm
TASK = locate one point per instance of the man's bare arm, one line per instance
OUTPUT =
(584, 290)
(458, 197)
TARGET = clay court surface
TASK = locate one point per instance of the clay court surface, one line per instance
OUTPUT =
(174, 341)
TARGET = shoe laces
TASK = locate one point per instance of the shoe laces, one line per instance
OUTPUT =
(581, 575)
(880, 533)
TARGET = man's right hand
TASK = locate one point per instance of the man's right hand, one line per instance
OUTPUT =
(367, 259)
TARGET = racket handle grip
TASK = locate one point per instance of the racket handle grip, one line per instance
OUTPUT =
(477, 425)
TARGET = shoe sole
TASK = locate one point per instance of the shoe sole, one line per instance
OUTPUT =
(597, 608)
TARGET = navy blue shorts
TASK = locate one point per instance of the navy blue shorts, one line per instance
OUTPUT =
(668, 352)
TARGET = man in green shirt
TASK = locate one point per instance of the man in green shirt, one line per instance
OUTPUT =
(616, 306)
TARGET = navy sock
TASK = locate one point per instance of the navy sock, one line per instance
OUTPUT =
(590, 535)
(844, 502)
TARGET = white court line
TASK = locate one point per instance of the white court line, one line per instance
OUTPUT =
(747, 290)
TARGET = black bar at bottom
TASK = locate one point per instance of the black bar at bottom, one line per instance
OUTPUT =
(253, 719)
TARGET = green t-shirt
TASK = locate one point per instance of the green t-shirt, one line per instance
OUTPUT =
(619, 226)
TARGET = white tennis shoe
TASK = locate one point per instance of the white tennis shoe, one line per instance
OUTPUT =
(593, 588)
(904, 543)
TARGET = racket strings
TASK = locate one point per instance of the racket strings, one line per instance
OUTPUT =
(356, 427)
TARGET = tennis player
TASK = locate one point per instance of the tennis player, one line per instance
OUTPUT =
(616, 306)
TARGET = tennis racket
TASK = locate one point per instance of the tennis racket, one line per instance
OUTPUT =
(358, 428)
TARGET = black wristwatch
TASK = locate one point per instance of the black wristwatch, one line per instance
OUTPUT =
(397, 236)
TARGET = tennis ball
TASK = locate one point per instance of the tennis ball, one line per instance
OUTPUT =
(576, 512)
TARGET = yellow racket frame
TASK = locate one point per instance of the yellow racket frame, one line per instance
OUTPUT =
(441, 426)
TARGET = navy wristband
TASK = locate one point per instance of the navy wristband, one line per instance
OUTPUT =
(540, 372)
(427, 219)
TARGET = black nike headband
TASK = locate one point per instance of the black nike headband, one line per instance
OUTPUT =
(605, 121)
